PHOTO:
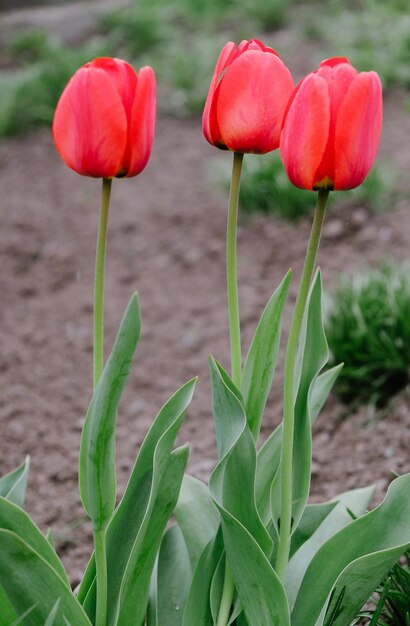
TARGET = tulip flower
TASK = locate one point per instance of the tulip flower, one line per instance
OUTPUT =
(105, 119)
(247, 98)
(332, 127)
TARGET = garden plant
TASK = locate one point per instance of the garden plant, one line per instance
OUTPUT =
(367, 329)
(247, 549)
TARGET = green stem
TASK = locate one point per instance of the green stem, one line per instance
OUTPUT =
(235, 339)
(98, 361)
(231, 272)
(289, 387)
(101, 571)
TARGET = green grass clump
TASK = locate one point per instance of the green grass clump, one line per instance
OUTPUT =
(368, 329)
(374, 35)
(391, 598)
(266, 189)
(180, 39)
(31, 91)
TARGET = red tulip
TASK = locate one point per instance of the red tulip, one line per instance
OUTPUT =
(332, 127)
(105, 119)
(247, 98)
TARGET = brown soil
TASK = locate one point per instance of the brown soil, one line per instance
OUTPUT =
(166, 239)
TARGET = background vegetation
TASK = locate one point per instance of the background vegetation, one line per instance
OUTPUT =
(368, 330)
(181, 39)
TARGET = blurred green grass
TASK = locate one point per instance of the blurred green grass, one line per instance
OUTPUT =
(266, 189)
(181, 40)
(373, 34)
(367, 329)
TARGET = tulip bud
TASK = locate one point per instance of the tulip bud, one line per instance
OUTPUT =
(105, 119)
(332, 127)
(247, 98)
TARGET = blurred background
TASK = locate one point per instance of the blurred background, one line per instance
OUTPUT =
(166, 239)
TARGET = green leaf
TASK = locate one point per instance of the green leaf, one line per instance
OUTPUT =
(97, 477)
(261, 593)
(246, 540)
(261, 359)
(197, 608)
(217, 584)
(266, 468)
(7, 613)
(14, 519)
(134, 590)
(29, 581)
(355, 501)
(139, 497)
(322, 387)
(269, 453)
(173, 579)
(312, 356)
(229, 413)
(313, 516)
(237, 465)
(50, 538)
(377, 536)
(19, 620)
(53, 614)
(197, 516)
(359, 580)
(13, 485)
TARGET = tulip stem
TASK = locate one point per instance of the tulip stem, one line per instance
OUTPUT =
(289, 387)
(98, 364)
(98, 360)
(235, 339)
(231, 271)
(101, 571)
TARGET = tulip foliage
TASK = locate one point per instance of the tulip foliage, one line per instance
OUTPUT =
(248, 549)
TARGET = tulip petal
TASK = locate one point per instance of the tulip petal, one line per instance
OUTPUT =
(305, 131)
(209, 124)
(338, 78)
(252, 99)
(123, 76)
(90, 126)
(333, 62)
(358, 130)
(142, 126)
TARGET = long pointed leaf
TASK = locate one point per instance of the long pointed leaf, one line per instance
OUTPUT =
(313, 355)
(360, 579)
(8, 614)
(261, 593)
(355, 501)
(312, 518)
(13, 485)
(126, 523)
(197, 608)
(322, 387)
(97, 477)
(134, 591)
(237, 465)
(269, 453)
(385, 528)
(173, 578)
(197, 516)
(53, 614)
(261, 359)
(232, 485)
(29, 581)
(13, 518)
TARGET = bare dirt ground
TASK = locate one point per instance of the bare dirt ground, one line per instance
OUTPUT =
(166, 240)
